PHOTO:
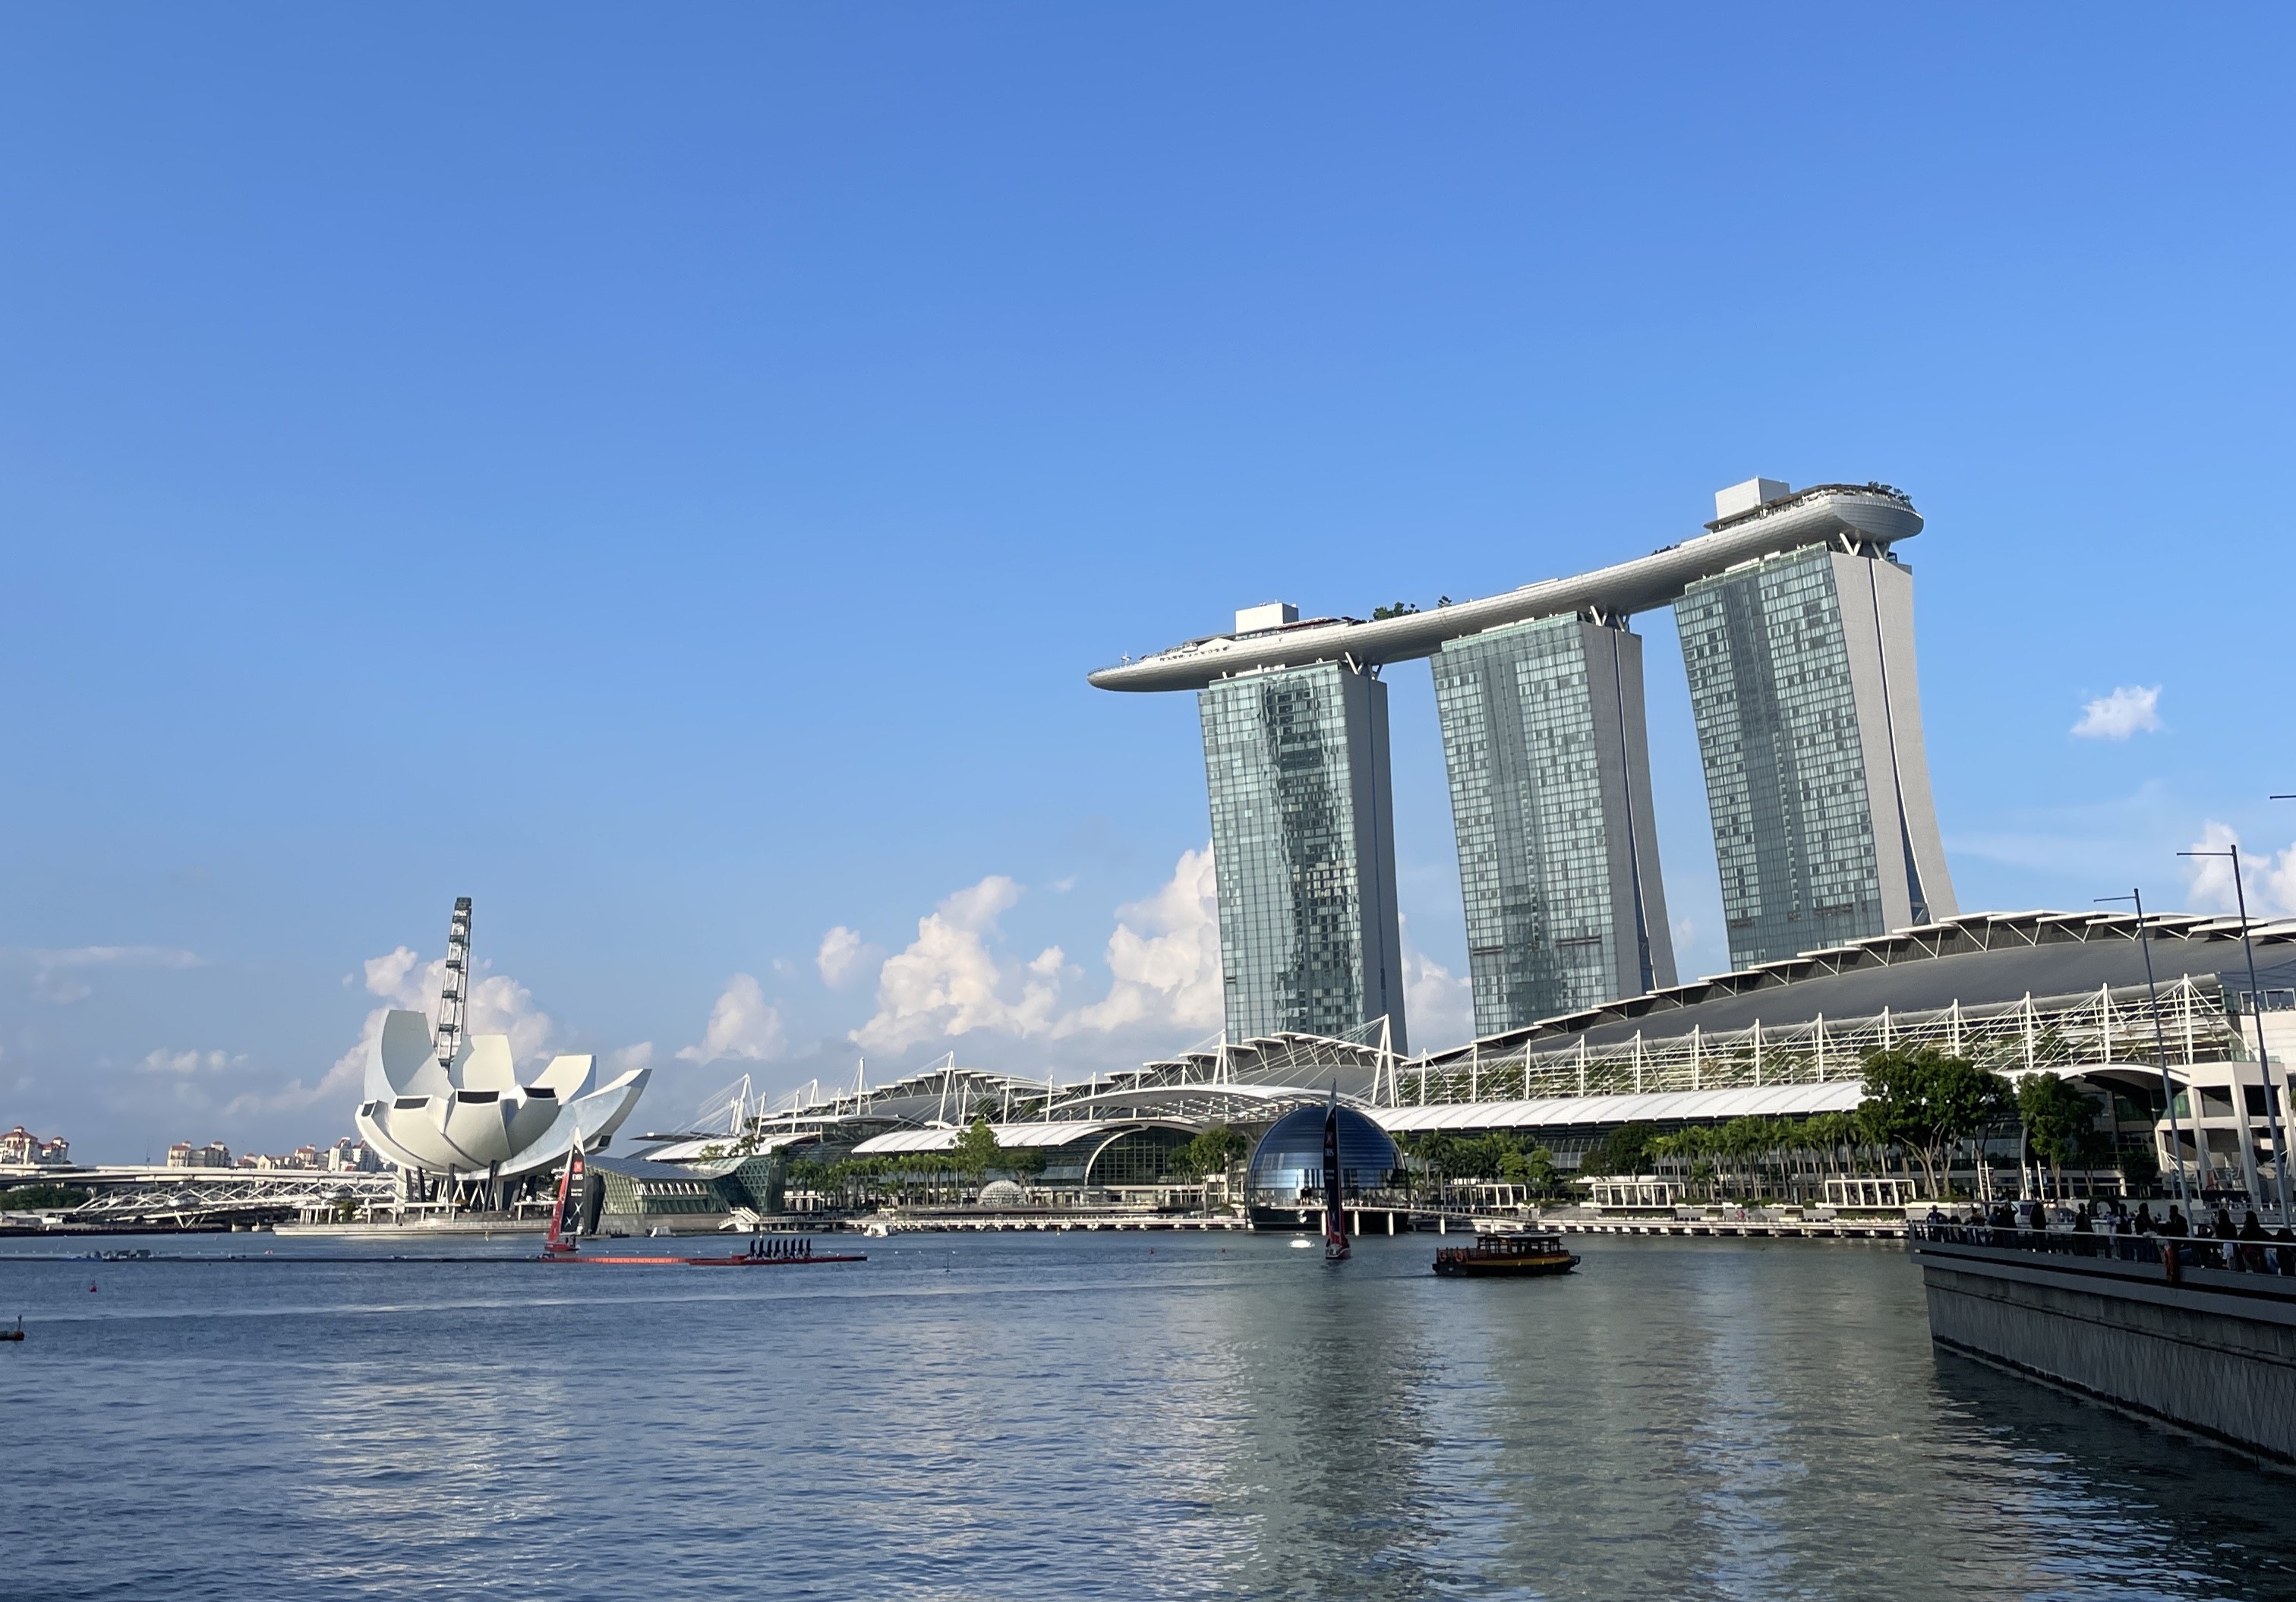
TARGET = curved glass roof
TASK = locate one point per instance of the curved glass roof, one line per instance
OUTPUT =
(1290, 1157)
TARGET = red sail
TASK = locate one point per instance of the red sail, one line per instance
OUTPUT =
(561, 1237)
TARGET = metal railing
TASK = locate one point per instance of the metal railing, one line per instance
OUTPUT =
(2168, 1253)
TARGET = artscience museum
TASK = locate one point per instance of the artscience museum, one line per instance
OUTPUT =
(468, 1118)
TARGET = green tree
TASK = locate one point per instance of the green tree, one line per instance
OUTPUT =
(1622, 1151)
(2060, 1121)
(1209, 1152)
(976, 1152)
(1928, 1103)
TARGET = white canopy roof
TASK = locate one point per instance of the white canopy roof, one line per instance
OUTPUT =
(1007, 1134)
(1769, 1101)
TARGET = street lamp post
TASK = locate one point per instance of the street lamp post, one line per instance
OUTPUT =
(2159, 1045)
(2263, 1057)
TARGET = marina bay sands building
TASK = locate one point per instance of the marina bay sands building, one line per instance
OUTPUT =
(1303, 848)
(1809, 725)
(1797, 627)
(1550, 798)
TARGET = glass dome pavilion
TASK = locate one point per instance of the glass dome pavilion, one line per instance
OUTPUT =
(1284, 1184)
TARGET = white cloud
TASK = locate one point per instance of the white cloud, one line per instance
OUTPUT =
(1164, 958)
(621, 1061)
(948, 983)
(55, 971)
(1439, 1005)
(742, 1024)
(844, 955)
(387, 976)
(2131, 710)
(2269, 877)
(185, 1063)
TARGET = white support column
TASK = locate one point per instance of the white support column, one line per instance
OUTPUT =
(1582, 1064)
(1638, 1062)
(1758, 1054)
(2028, 1005)
(1821, 1048)
(1695, 1065)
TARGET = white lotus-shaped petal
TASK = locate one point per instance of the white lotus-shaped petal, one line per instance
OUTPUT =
(475, 1118)
(569, 1076)
(485, 1064)
(403, 1062)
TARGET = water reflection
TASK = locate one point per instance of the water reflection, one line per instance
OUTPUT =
(1054, 1418)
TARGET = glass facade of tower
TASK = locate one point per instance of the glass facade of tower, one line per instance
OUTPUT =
(1544, 743)
(1303, 850)
(1774, 687)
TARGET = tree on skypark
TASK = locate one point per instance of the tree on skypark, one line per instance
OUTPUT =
(1928, 1102)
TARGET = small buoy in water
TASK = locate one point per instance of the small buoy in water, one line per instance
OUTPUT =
(91, 1287)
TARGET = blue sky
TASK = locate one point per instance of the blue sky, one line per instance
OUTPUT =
(667, 475)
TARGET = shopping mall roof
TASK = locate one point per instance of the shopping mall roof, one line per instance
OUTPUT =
(1571, 1111)
(1981, 959)
(1011, 1135)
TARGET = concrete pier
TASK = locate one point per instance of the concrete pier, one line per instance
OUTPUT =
(2145, 1324)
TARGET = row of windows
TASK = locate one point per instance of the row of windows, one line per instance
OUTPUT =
(1542, 837)
(1295, 865)
(1771, 690)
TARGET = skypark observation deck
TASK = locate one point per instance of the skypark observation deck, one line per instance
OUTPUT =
(1865, 518)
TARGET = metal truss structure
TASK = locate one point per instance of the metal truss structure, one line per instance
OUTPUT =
(2104, 1028)
(180, 1196)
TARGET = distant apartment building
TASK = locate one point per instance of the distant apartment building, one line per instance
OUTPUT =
(1549, 767)
(184, 1155)
(349, 1156)
(1303, 846)
(21, 1148)
(1810, 728)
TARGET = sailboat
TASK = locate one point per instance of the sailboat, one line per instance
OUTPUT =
(561, 1241)
(1335, 1214)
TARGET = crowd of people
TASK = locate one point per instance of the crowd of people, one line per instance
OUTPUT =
(2246, 1245)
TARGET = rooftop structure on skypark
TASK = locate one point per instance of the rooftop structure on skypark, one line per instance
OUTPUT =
(1845, 516)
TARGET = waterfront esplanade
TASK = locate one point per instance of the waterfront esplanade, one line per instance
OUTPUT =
(1540, 694)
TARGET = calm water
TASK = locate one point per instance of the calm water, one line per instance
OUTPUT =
(1031, 1417)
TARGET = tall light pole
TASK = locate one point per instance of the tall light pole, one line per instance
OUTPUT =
(2159, 1044)
(2263, 1058)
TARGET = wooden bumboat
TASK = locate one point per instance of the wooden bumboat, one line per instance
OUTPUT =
(1507, 1255)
